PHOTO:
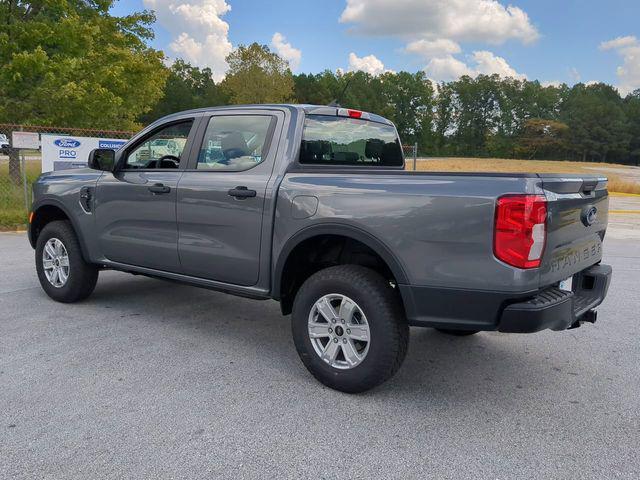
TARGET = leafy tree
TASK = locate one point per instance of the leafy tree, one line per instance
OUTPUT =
(257, 75)
(362, 91)
(71, 63)
(443, 118)
(319, 89)
(542, 138)
(597, 121)
(476, 111)
(187, 87)
(408, 101)
(518, 101)
(632, 111)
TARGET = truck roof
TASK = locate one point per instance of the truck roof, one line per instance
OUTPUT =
(304, 108)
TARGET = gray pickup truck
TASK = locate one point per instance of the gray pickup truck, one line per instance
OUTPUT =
(311, 206)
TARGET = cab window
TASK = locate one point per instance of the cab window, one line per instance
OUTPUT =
(162, 149)
(234, 142)
(330, 140)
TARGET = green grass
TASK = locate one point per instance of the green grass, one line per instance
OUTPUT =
(13, 214)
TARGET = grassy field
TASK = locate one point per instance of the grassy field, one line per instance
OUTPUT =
(12, 209)
(622, 178)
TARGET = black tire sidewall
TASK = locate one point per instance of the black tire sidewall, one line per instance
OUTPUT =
(82, 276)
(383, 316)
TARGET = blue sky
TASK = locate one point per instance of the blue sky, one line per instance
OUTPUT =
(552, 41)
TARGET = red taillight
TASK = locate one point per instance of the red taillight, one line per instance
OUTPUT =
(520, 230)
(355, 113)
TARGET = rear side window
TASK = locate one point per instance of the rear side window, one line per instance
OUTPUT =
(234, 143)
(329, 140)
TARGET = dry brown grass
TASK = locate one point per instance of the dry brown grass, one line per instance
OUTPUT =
(617, 181)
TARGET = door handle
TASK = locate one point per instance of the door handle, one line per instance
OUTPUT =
(242, 192)
(159, 188)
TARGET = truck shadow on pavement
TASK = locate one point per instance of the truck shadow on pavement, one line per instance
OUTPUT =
(438, 367)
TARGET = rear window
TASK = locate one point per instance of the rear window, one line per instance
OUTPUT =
(330, 140)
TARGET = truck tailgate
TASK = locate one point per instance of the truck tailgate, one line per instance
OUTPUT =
(577, 220)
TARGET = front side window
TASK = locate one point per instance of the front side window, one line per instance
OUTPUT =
(234, 142)
(162, 149)
(329, 140)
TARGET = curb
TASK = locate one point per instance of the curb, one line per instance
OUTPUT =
(623, 212)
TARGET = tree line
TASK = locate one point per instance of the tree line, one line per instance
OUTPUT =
(486, 116)
(71, 63)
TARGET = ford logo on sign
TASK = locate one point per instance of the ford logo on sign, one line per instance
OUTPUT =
(590, 216)
(67, 143)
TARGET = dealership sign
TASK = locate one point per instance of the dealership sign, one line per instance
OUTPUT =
(61, 152)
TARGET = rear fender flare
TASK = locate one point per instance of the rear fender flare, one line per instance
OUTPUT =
(337, 229)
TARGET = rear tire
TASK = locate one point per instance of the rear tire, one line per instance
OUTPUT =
(457, 333)
(62, 271)
(352, 359)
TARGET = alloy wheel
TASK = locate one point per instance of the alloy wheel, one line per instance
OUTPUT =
(339, 331)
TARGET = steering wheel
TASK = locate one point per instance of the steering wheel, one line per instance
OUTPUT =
(168, 161)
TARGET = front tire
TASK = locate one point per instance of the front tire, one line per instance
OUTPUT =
(349, 328)
(62, 271)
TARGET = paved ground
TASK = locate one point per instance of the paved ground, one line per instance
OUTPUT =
(149, 379)
(624, 217)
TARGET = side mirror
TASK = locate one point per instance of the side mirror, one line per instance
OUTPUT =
(102, 159)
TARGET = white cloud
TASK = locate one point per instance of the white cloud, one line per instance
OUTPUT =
(629, 72)
(447, 68)
(369, 64)
(575, 74)
(200, 36)
(551, 83)
(487, 63)
(620, 42)
(433, 48)
(434, 30)
(461, 20)
(286, 50)
(483, 62)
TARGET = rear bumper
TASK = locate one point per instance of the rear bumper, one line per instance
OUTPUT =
(550, 308)
(557, 309)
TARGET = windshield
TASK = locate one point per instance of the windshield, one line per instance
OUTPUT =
(331, 140)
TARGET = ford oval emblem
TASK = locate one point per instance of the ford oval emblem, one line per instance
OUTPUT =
(67, 143)
(590, 216)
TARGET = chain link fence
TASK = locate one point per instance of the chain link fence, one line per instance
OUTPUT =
(20, 168)
(410, 156)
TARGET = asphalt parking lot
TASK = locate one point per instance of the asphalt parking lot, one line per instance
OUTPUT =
(149, 379)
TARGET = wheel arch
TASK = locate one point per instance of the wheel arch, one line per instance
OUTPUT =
(336, 231)
(48, 211)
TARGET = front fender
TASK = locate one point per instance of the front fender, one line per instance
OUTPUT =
(40, 205)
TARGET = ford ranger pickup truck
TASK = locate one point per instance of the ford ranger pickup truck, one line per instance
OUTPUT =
(311, 206)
